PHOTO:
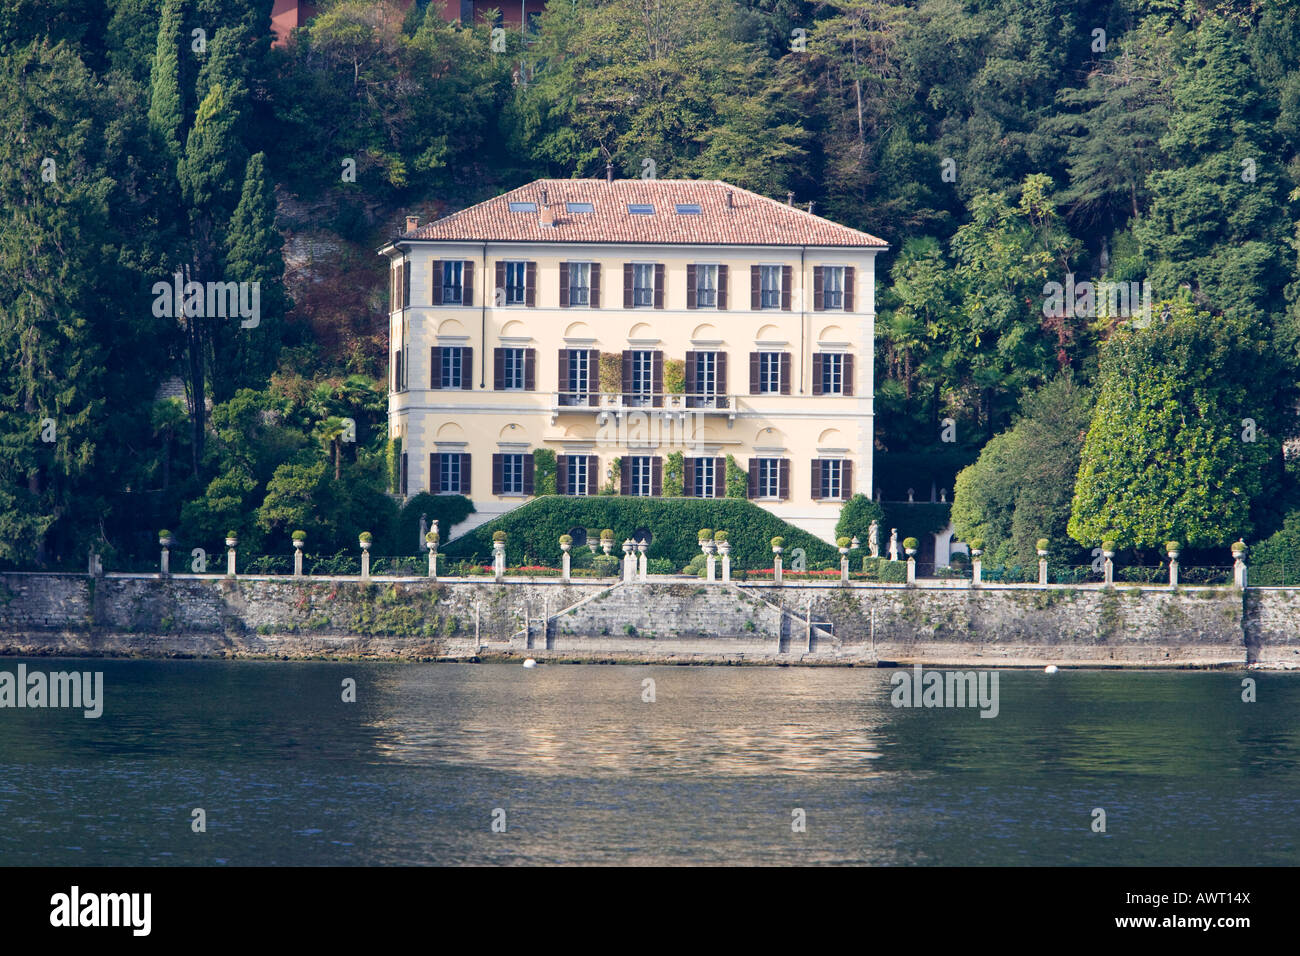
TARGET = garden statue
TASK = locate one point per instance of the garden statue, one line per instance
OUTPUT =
(873, 539)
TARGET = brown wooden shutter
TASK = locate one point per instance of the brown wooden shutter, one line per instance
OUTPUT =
(593, 474)
(496, 474)
(466, 488)
(564, 285)
(659, 285)
(848, 373)
(816, 479)
(435, 367)
(530, 370)
(595, 285)
(593, 377)
(498, 369)
(783, 478)
(691, 302)
(435, 475)
(404, 472)
(397, 370)
(467, 284)
(846, 479)
(721, 374)
(722, 287)
(501, 284)
(437, 282)
(467, 369)
(819, 363)
(657, 379)
(627, 285)
(627, 375)
(752, 490)
(625, 476)
(819, 289)
(848, 288)
(754, 287)
(719, 477)
(530, 284)
(787, 282)
(406, 284)
(530, 469)
(754, 378)
(690, 378)
(562, 474)
(688, 478)
(785, 373)
(562, 377)
(656, 477)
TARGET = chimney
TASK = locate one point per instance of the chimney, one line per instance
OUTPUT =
(412, 223)
(731, 202)
(789, 199)
(547, 215)
(544, 199)
(609, 173)
(810, 205)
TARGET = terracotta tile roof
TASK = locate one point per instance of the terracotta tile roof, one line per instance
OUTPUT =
(750, 219)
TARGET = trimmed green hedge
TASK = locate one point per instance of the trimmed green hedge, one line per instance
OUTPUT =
(535, 529)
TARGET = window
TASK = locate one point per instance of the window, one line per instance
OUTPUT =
(639, 377)
(643, 284)
(516, 283)
(513, 362)
(451, 367)
(832, 478)
(689, 209)
(577, 473)
(769, 477)
(512, 475)
(769, 373)
(705, 379)
(576, 207)
(706, 286)
(575, 376)
(832, 374)
(450, 473)
(833, 287)
(523, 207)
(640, 209)
(770, 287)
(579, 283)
(704, 476)
(453, 275)
(641, 480)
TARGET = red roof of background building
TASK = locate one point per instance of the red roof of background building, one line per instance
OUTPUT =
(751, 219)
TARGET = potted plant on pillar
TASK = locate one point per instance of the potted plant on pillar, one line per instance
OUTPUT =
(232, 539)
(165, 538)
(910, 546)
(365, 539)
(299, 538)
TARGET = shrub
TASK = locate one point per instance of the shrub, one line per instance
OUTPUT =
(697, 565)
(660, 566)
(607, 534)
(605, 565)
(719, 536)
(1172, 546)
(975, 544)
(856, 516)
(536, 527)
(958, 558)
(704, 534)
(366, 536)
(842, 542)
(447, 510)
(611, 371)
(778, 542)
(232, 534)
(911, 544)
(674, 376)
(431, 536)
(499, 536)
(302, 536)
(1041, 544)
(1108, 546)
(566, 539)
(164, 533)
(737, 479)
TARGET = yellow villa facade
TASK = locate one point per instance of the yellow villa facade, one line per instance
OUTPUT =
(619, 323)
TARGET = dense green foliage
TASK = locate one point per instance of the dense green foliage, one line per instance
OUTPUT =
(673, 524)
(997, 145)
(1186, 428)
(1022, 486)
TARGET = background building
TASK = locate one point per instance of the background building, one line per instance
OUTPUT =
(620, 323)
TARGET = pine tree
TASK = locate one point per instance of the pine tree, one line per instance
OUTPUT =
(166, 90)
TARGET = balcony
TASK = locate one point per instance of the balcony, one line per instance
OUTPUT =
(620, 403)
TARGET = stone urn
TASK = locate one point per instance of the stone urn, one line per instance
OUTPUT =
(724, 547)
(165, 539)
(232, 541)
(298, 543)
(364, 542)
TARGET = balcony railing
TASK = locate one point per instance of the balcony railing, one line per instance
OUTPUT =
(628, 401)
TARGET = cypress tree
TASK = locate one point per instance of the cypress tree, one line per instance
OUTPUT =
(166, 114)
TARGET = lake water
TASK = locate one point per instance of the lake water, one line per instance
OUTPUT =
(587, 772)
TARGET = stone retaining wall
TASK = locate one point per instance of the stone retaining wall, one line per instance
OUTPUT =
(663, 620)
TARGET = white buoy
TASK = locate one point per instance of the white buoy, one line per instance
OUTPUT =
(1050, 669)
(530, 663)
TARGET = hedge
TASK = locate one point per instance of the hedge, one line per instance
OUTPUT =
(535, 528)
